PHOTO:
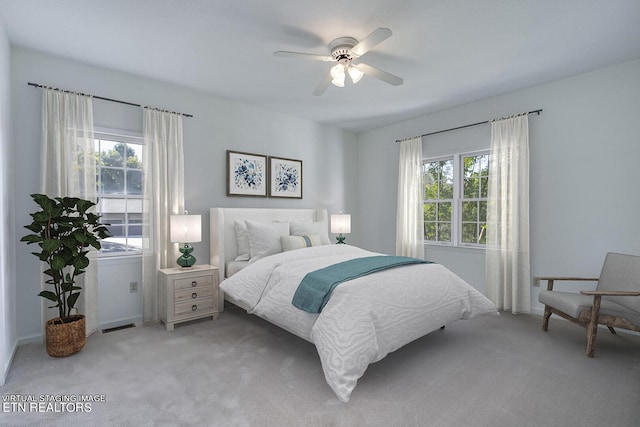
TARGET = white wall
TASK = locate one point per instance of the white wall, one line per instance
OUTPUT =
(117, 305)
(584, 154)
(329, 155)
(7, 236)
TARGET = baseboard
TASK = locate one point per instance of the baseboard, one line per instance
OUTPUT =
(5, 369)
(35, 338)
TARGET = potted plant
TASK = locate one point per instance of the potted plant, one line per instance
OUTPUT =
(64, 229)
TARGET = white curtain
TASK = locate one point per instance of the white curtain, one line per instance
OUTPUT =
(410, 211)
(507, 260)
(163, 196)
(68, 169)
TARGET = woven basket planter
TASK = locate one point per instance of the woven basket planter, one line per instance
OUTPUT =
(65, 339)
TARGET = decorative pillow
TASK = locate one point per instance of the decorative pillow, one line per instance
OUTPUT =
(242, 240)
(307, 228)
(264, 238)
(290, 243)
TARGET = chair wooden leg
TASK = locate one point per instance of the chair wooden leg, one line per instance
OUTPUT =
(547, 315)
(613, 331)
(592, 327)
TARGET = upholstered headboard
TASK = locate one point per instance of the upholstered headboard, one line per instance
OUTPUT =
(223, 246)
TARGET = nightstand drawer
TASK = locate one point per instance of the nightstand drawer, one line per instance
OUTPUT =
(189, 294)
(192, 282)
(193, 306)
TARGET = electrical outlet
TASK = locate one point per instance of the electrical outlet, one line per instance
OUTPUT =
(133, 287)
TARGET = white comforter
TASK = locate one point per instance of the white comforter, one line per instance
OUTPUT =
(365, 318)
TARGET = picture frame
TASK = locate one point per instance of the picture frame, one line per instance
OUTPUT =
(285, 178)
(247, 174)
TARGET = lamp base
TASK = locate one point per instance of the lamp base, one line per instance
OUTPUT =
(186, 260)
(340, 239)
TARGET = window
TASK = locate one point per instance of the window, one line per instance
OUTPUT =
(455, 199)
(119, 188)
(438, 200)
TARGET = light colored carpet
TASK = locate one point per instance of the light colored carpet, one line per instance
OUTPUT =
(243, 371)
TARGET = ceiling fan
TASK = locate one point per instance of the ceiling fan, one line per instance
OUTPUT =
(346, 51)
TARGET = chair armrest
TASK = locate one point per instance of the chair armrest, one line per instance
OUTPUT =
(551, 279)
(612, 293)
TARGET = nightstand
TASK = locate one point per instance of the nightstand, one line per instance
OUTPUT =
(187, 294)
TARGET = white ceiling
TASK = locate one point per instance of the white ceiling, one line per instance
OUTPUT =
(449, 52)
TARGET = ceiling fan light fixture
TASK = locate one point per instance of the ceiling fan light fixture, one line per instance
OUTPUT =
(355, 74)
(338, 81)
(337, 73)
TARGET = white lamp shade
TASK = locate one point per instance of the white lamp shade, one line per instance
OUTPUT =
(355, 74)
(341, 224)
(337, 74)
(186, 228)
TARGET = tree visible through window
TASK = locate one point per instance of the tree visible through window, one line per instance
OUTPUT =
(455, 199)
(475, 182)
(438, 196)
(119, 187)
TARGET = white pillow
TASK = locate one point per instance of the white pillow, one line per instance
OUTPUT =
(306, 228)
(264, 238)
(242, 240)
(290, 243)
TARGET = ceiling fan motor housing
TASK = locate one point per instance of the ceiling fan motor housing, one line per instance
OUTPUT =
(341, 48)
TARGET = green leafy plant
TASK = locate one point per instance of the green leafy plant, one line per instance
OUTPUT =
(64, 229)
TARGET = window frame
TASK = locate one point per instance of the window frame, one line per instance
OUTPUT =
(458, 193)
(453, 201)
(129, 138)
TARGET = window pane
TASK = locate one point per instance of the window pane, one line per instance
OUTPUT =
(471, 189)
(134, 182)
(112, 153)
(469, 232)
(429, 211)
(431, 191)
(112, 181)
(430, 231)
(483, 211)
(444, 212)
(484, 187)
(469, 211)
(446, 189)
(484, 165)
(444, 232)
(116, 231)
(134, 230)
(134, 156)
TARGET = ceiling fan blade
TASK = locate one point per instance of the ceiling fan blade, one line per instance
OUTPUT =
(287, 54)
(372, 40)
(324, 84)
(379, 74)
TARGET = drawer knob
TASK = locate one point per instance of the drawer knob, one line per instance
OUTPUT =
(194, 283)
(194, 295)
(194, 307)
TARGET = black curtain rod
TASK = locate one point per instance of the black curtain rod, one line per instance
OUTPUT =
(462, 127)
(105, 99)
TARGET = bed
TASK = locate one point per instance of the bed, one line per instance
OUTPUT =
(365, 318)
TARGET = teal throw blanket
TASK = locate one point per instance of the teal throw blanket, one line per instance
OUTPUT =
(315, 288)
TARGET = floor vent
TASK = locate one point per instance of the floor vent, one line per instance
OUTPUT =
(119, 328)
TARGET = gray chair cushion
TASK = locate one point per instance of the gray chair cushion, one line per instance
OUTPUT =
(621, 273)
(573, 303)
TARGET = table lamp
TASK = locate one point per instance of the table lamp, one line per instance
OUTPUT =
(341, 223)
(186, 229)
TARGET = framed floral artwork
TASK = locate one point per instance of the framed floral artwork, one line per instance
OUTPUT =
(246, 174)
(285, 178)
